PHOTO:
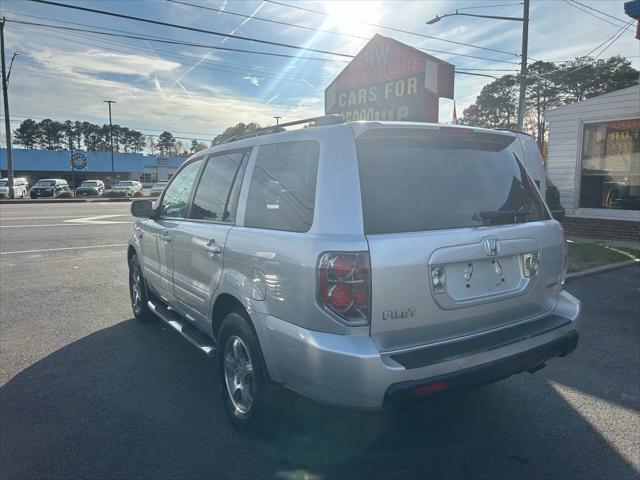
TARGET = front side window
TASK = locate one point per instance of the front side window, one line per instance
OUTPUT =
(176, 196)
(283, 187)
(216, 198)
(611, 165)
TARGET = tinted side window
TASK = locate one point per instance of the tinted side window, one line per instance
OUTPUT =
(176, 197)
(217, 194)
(283, 187)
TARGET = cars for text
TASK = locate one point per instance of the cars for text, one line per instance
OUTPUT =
(356, 263)
(90, 188)
(49, 187)
(20, 187)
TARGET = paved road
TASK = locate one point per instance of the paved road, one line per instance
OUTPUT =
(85, 391)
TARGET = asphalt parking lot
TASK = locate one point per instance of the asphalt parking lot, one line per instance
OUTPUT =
(86, 391)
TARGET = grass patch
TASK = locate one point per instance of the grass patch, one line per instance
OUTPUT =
(588, 255)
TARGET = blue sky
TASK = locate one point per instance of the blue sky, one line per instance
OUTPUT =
(196, 93)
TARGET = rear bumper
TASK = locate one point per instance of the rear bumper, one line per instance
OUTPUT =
(529, 360)
(348, 370)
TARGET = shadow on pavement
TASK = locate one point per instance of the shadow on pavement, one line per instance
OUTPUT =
(137, 401)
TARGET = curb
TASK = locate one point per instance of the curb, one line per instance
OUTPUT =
(20, 201)
(602, 268)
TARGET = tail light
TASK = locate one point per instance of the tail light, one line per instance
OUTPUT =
(344, 285)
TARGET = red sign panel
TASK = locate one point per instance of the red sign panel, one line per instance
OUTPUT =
(389, 80)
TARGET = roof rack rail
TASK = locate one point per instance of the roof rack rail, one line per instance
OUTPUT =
(317, 122)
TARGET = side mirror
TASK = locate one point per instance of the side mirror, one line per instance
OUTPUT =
(142, 208)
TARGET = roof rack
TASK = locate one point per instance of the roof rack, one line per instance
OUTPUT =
(317, 122)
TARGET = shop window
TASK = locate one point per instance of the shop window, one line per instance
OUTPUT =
(611, 165)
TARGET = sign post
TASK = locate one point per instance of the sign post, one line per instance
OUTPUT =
(389, 80)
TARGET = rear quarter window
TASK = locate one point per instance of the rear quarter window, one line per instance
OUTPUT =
(283, 187)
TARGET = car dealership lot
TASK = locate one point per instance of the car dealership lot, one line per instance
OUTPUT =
(88, 392)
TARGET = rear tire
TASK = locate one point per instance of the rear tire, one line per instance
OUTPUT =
(244, 382)
(138, 292)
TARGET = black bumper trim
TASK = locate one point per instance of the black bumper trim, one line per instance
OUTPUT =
(481, 343)
(493, 371)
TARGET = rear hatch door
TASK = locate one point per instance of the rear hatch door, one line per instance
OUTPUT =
(459, 239)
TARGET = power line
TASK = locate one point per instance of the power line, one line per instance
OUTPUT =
(167, 54)
(269, 20)
(226, 11)
(599, 11)
(490, 6)
(174, 42)
(191, 29)
(617, 25)
(318, 12)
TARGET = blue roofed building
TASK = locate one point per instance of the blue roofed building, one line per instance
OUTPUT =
(36, 164)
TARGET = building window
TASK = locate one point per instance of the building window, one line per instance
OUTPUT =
(611, 165)
(148, 177)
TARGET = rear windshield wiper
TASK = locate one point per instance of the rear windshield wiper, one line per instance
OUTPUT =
(493, 214)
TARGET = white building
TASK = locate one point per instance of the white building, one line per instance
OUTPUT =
(594, 161)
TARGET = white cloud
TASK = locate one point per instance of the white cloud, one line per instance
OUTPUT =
(255, 81)
(98, 61)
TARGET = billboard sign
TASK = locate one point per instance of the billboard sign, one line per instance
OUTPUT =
(389, 80)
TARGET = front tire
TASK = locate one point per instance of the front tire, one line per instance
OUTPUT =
(138, 292)
(243, 379)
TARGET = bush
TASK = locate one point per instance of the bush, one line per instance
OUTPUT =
(66, 195)
(114, 194)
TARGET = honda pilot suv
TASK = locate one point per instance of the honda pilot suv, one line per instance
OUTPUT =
(355, 263)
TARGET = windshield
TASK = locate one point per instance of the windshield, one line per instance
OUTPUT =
(124, 184)
(89, 184)
(45, 183)
(415, 184)
(4, 183)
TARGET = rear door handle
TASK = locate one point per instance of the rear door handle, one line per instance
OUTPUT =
(212, 248)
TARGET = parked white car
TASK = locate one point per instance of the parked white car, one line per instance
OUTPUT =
(131, 188)
(20, 188)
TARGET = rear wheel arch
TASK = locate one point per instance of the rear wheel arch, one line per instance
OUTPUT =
(224, 304)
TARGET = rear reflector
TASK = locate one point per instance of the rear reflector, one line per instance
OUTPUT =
(430, 388)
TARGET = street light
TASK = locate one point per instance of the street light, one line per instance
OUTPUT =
(15, 54)
(525, 40)
(113, 170)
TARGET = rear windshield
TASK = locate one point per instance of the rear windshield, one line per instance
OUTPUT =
(413, 183)
(88, 184)
(46, 183)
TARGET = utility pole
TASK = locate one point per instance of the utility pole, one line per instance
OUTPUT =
(277, 119)
(7, 122)
(113, 170)
(523, 65)
(525, 41)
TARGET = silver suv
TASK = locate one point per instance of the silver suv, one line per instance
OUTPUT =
(356, 263)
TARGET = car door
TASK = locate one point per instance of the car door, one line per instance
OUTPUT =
(200, 239)
(158, 232)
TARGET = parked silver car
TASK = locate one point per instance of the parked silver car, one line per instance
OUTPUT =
(20, 187)
(356, 263)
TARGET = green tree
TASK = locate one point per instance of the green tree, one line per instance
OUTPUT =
(496, 106)
(93, 137)
(52, 134)
(28, 134)
(542, 94)
(196, 146)
(586, 77)
(239, 129)
(166, 143)
(135, 141)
